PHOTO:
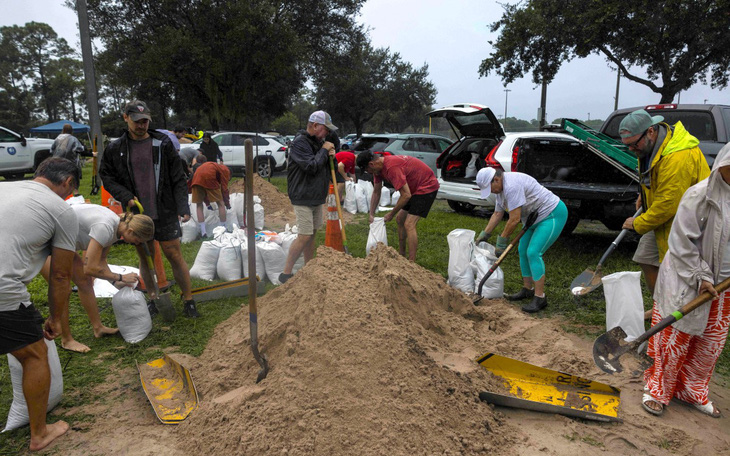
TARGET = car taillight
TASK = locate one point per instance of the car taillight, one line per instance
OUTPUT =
(281, 149)
(515, 154)
(490, 160)
(661, 106)
(454, 164)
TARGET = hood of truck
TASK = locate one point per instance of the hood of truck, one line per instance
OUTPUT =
(471, 119)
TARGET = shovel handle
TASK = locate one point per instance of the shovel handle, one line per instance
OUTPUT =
(528, 223)
(339, 207)
(678, 314)
(616, 241)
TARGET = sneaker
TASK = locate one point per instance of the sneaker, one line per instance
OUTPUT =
(284, 277)
(524, 293)
(189, 309)
(152, 308)
(536, 305)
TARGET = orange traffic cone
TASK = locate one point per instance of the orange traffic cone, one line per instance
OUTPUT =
(333, 235)
(162, 282)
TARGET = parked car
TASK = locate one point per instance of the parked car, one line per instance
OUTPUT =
(269, 154)
(590, 188)
(710, 123)
(20, 155)
(425, 147)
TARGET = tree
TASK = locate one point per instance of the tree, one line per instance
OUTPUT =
(674, 41)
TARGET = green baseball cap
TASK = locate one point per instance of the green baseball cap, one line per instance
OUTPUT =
(637, 123)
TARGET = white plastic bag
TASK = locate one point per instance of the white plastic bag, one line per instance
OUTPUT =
(229, 265)
(461, 248)
(369, 189)
(260, 267)
(258, 216)
(206, 261)
(624, 303)
(394, 198)
(237, 202)
(274, 259)
(18, 413)
(350, 204)
(471, 168)
(288, 236)
(190, 230)
(377, 234)
(482, 261)
(384, 196)
(361, 198)
(133, 317)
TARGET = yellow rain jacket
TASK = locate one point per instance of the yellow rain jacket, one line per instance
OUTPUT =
(677, 165)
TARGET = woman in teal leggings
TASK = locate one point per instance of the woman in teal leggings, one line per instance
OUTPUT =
(520, 195)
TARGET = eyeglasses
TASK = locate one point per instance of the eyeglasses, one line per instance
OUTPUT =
(635, 143)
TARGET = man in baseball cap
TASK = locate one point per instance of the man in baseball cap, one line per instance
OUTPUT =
(137, 110)
(322, 118)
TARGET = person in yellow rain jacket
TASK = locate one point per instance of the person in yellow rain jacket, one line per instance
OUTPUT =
(670, 162)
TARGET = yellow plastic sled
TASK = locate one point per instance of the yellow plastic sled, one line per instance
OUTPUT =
(536, 388)
(169, 388)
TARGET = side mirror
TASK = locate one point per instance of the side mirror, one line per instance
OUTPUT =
(23, 141)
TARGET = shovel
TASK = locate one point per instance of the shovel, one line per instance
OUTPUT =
(528, 223)
(339, 207)
(609, 347)
(94, 178)
(588, 280)
(162, 301)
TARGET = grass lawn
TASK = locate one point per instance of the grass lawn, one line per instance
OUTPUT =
(567, 258)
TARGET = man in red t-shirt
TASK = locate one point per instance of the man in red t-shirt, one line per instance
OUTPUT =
(345, 169)
(417, 186)
(210, 182)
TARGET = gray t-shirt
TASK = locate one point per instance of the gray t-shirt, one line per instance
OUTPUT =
(33, 219)
(522, 190)
(95, 222)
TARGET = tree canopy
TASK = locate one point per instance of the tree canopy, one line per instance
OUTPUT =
(676, 43)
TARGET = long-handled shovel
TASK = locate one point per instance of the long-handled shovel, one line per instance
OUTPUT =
(339, 207)
(528, 223)
(609, 347)
(589, 280)
(94, 178)
(251, 238)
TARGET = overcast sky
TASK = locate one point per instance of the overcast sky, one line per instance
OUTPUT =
(452, 38)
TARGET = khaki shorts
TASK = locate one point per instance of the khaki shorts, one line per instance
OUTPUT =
(199, 193)
(309, 218)
(647, 251)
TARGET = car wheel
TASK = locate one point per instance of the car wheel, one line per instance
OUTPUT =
(461, 207)
(39, 157)
(264, 168)
(570, 224)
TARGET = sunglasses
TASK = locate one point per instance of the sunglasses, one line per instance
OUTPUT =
(634, 144)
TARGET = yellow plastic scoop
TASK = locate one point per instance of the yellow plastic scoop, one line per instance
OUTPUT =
(169, 388)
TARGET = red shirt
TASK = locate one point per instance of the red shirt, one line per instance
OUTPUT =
(403, 169)
(347, 159)
(213, 175)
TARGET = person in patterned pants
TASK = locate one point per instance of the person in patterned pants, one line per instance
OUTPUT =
(685, 353)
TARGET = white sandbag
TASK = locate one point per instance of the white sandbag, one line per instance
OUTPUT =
(231, 219)
(369, 189)
(361, 199)
(104, 289)
(18, 413)
(212, 221)
(190, 231)
(237, 204)
(394, 198)
(350, 203)
(230, 265)
(624, 303)
(206, 261)
(461, 248)
(288, 236)
(133, 317)
(471, 168)
(274, 259)
(376, 234)
(260, 268)
(384, 196)
(482, 261)
(258, 216)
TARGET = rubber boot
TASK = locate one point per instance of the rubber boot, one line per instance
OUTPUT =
(536, 305)
(189, 309)
(524, 293)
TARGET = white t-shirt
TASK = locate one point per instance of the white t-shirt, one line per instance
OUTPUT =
(522, 190)
(95, 222)
(33, 219)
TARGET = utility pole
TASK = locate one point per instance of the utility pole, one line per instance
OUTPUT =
(618, 82)
(92, 101)
(506, 93)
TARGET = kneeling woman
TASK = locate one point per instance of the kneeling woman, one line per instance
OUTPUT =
(99, 229)
(520, 195)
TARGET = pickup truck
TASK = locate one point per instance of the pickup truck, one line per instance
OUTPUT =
(20, 155)
(591, 188)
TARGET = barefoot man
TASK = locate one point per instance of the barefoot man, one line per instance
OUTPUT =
(36, 221)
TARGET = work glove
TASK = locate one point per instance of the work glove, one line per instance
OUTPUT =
(501, 245)
(482, 237)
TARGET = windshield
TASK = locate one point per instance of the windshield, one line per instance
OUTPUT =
(698, 123)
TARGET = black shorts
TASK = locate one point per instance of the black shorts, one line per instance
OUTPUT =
(20, 328)
(338, 178)
(167, 231)
(420, 205)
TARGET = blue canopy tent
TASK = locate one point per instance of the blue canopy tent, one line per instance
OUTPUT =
(56, 127)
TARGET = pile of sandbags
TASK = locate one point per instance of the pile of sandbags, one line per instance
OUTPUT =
(358, 197)
(235, 217)
(469, 263)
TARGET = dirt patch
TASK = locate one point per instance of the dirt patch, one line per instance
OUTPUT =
(278, 210)
(370, 356)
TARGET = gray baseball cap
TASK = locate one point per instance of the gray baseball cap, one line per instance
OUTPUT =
(636, 123)
(137, 110)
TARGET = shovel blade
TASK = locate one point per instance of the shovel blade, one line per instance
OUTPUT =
(164, 305)
(586, 282)
(609, 347)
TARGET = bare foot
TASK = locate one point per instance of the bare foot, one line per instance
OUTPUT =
(105, 331)
(53, 431)
(75, 346)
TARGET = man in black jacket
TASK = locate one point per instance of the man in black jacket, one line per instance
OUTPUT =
(307, 184)
(143, 166)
